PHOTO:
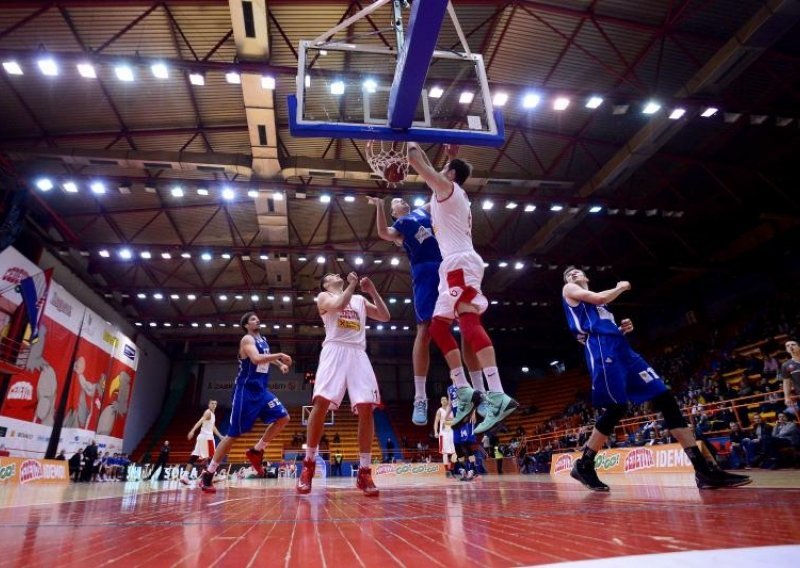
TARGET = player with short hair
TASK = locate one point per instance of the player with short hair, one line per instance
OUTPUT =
(619, 376)
(442, 429)
(205, 445)
(345, 367)
(790, 374)
(460, 296)
(252, 399)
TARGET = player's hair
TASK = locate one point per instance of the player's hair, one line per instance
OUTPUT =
(246, 317)
(322, 281)
(569, 269)
(462, 169)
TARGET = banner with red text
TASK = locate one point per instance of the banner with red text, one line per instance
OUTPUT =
(21, 471)
(28, 412)
(90, 377)
(667, 458)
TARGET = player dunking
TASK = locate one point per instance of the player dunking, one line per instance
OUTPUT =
(460, 296)
(251, 399)
(620, 375)
(344, 366)
(204, 447)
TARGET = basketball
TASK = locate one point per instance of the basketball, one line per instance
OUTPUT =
(394, 172)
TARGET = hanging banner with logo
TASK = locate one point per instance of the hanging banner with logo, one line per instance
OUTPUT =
(28, 412)
(117, 396)
(22, 471)
(667, 458)
(90, 377)
(14, 268)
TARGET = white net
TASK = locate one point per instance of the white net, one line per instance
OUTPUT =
(389, 160)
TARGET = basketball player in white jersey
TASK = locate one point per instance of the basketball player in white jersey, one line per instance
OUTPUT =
(443, 431)
(344, 366)
(460, 296)
(205, 446)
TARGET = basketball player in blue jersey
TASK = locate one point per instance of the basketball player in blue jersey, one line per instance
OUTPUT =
(619, 376)
(464, 440)
(252, 399)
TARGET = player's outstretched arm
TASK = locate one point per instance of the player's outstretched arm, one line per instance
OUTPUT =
(440, 185)
(376, 309)
(385, 231)
(327, 302)
(577, 294)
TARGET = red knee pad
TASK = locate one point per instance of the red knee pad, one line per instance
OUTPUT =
(474, 334)
(440, 333)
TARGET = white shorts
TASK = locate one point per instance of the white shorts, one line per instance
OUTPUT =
(460, 277)
(344, 368)
(446, 445)
(204, 447)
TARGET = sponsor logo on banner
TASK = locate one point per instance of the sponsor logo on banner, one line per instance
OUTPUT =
(22, 390)
(640, 458)
(109, 338)
(30, 470)
(129, 351)
(15, 275)
(563, 463)
(606, 461)
(7, 471)
(61, 305)
(408, 469)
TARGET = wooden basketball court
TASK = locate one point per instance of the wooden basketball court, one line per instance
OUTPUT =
(507, 520)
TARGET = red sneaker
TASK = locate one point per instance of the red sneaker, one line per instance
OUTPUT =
(304, 483)
(365, 483)
(207, 482)
(256, 458)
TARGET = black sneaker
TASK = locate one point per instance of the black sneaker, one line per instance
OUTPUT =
(207, 482)
(585, 473)
(716, 478)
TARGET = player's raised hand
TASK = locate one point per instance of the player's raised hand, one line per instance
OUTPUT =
(451, 150)
(352, 278)
(377, 201)
(624, 285)
(367, 285)
(626, 326)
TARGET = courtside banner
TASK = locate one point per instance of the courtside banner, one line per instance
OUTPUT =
(117, 396)
(28, 412)
(24, 471)
(415, 470)
(668, 458)
(90, 377)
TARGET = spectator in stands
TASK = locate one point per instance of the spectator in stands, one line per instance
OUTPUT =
(785, 435)
(755, 444)
(336, 438)
(738, 453)
(790, 374)
(61, 456)
(75, 464)
(336, 467)
(389, 458)
(771, 365)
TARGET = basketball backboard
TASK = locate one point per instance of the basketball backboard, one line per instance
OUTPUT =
(387, 85)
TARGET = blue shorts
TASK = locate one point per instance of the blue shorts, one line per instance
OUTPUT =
(425, 278)
(250, 403)
(464, 433)
(619, 374)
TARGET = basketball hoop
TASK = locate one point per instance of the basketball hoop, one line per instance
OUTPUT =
(389, 163)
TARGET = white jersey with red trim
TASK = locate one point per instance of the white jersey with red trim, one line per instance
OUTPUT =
(348, 324)
(207, 428)
(452, 222)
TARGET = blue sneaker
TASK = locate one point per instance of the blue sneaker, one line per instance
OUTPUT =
(483, 406)
(420, 414)
(466, 398)
(500, 406)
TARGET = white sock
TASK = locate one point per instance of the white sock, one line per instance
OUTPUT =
(476, 377)
(457, 375)
(311, 453)
(212, 467)
(364, 459)
(493, 379)
(419, 388)
(260, 445)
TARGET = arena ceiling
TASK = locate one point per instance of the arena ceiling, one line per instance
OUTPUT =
(644, 197)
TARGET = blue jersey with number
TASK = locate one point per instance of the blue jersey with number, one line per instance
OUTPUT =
(418, 239)
(466, 431)
(249, 374)
(585, 319)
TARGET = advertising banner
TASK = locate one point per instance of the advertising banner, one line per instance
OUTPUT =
(667, 458)
(411, 470)
(23, 471)
(90, 374)
(117, 396)
(28, 412)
